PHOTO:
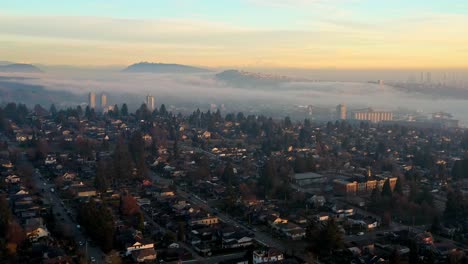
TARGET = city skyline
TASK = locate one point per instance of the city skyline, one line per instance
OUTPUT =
(348, 34)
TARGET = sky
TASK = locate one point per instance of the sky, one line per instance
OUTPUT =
(305, 34)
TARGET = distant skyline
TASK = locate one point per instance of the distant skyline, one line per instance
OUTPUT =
(342, 34)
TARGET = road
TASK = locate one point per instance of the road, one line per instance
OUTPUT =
(56, 203)
(59, 208)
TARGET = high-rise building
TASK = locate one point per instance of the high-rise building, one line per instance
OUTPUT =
(150, 102)
(341, 112)
(92, 100)
(373, 116)
(103, 100)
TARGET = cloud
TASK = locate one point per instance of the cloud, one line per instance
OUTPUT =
(342, 41)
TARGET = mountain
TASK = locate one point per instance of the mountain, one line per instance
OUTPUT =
(13, 89)
(19, 67)
(163, 68)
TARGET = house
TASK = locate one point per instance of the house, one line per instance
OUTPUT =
(35, 229)
(366, 222)
(291, 231)
(50, 160)
(23, 137)
(342, 212)
(147, 254)
(6, 164)
(317, 200)
(267, 256)
(235, 238)
(80, 190)
(12, 179)
(139, 244)
(69, 176)
(273, 220)
(202, 219)
(143, 201)
(206, 134)
(321, 217)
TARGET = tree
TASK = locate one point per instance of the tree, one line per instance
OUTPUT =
(162, 110)
(98, 221)
(395, 257)
(140, 221)
(128, 205)
(460, 169)
(398, 187)
(387, 189)
(454, 207)
(15, 233)
(5, 216)
(181, 231)
(413, 255)
(436, 225)
(116, 111)
(228, 174)
(124, 110)
(101, 181)
(53, 111)
(329, 238)
(122, 162)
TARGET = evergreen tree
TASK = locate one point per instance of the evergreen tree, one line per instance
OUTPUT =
(329, 238)
(124, 110)
(53, 111)
(101, 181)
(162, 110)
(5, 216)
(228, 174)
(387, 189)
(395, 257)
(398, 186)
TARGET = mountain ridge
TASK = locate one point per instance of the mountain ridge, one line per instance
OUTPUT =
(19, 67)
(149, 67)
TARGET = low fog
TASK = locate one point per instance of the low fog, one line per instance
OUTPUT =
(187, 91)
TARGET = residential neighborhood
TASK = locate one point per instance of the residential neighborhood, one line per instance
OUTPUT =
(81, 186)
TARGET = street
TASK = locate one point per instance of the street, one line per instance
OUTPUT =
(62, 216)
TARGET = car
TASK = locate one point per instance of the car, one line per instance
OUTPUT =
(78, 226)
(80, 243)
(360, 233)
(93, 260)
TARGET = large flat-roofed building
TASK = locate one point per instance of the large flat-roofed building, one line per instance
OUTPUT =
(308, 178)
(341, 112)
(372, 116)
(351, 186)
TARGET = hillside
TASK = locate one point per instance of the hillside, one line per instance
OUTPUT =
(19, 67)
(147, 67)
